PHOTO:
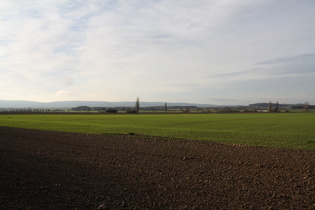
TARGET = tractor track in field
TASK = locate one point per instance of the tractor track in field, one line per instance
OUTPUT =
(60, 170)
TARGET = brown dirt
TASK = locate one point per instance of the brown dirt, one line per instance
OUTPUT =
(58, 170)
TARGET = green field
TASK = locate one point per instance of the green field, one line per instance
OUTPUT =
(285, 130)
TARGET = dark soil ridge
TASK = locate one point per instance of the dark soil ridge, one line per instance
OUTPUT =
(59, 170)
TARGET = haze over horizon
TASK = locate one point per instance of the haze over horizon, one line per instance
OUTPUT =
(227, 52)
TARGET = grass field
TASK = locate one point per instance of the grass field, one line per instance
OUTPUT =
(285, 130)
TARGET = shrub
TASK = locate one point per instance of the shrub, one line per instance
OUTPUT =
(131, 111)
(111, 110)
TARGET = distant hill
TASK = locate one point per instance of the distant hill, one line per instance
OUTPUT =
(71, 104)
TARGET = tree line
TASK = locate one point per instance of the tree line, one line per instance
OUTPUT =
(266, 107)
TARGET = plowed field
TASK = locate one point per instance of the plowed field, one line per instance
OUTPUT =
(59, 170)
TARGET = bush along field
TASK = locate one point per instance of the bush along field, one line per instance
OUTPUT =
(285, 130)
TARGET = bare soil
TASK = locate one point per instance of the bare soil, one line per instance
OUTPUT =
(59, 170)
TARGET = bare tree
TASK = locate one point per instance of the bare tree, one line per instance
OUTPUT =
(306, 106)
(137, 105)
(277, 107)
(269, 107)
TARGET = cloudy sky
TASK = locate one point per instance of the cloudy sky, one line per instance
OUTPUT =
(198, 51)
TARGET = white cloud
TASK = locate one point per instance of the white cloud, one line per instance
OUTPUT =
(63, 93)
(159, 50)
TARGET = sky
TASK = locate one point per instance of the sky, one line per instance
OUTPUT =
(223, 52)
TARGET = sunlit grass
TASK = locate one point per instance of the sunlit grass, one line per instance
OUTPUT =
(285, 130)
